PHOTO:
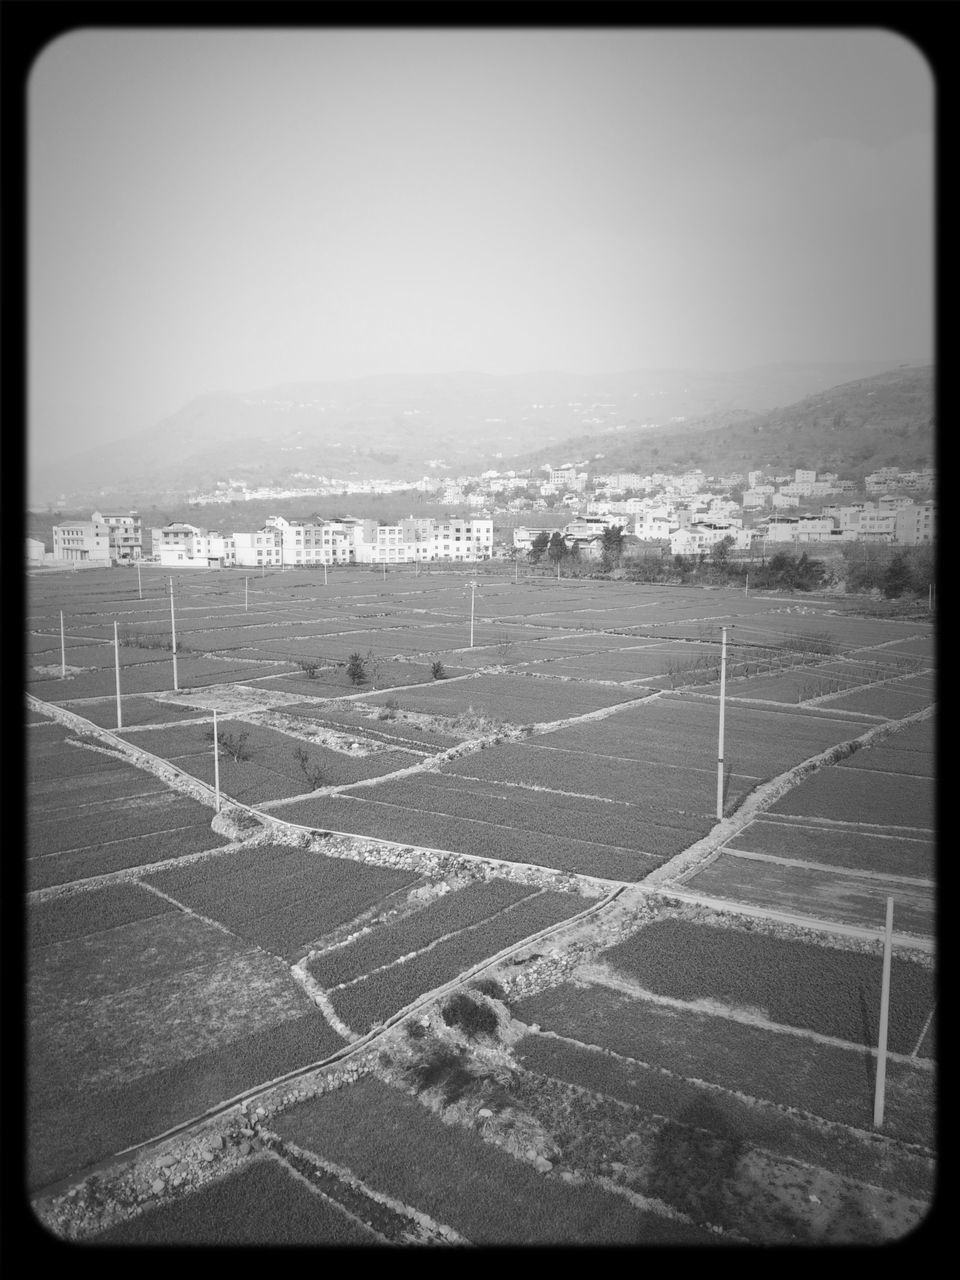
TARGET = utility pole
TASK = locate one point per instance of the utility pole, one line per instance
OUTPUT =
(746, 584)
(173, 640)
(884, 1016)
(63, 651)
(116, 656)
(723, 684)
(246, 594)
(324, 575)
(473, 586)
(139, 584)
(216, 763)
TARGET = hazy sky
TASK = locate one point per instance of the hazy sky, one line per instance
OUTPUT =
(225, 210)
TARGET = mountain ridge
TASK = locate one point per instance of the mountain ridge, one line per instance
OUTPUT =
(403, 426)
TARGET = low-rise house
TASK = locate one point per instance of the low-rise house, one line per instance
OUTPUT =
(82, 541)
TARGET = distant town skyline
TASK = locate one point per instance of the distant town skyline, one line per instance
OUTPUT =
(229, 210)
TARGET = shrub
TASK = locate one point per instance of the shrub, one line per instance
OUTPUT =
(311, 771)
(472, 1018)
(233, 744)
(310, 667)
(489, 987)
(437, 671)
(356, 671)
(442, 1067)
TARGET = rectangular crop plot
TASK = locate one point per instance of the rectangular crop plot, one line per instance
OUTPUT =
(135, 711)
(262, 1204)
(827, 895)
(683, 797)
(486, 839)
(605, 822)
(401, 1149)
(661, 1093)
(80, 914)
(374, 999)
(862, 796)
(792, 1071)
(139, 816)
(673, 729)
(462, 909)
(513, 699)
(885, 852)
(886, 759)
(71, 1126)
(281, 898)
(824, 989)
(270, 769)
(886, 700)
(117, 855)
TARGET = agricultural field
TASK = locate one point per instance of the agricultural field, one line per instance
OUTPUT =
(845, 839)
(425, 976)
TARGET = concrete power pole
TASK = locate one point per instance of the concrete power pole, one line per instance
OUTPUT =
(173, 640)
(723, 684)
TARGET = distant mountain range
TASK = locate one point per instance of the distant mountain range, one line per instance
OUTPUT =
(407, 426)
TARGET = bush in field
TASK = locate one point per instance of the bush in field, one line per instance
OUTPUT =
(235, 744)
(444, 1068)
(356, 670)
(489, 987)
(139, 640)
(437, 671)
(389, 710)
(309, 667)
(472, 1018)
(311, 771)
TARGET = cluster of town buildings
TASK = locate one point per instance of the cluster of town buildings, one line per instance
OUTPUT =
(686, 514)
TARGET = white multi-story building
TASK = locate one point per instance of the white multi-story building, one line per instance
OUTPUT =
(126, 534)
(461, 539)
(200, 550)
(916, 524)
(804, 477)
(701, 537)
(86, 541)
(262, 549)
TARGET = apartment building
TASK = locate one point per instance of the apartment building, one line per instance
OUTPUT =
(916, 524)
(461, 539)
(126, 534)
(201, 549)
(262, 549)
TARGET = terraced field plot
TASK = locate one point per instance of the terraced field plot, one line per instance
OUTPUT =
(400, 1149)
(691, 1046)
(264, 1203)
(365, 815)
(271, 769)
(507, 698)
(845, 839)
(864, 796)
(368, 1001)
(464, 909)
(882, 850)
(280, 898)
(140, 1017)
(823, 989)
(759, 742)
